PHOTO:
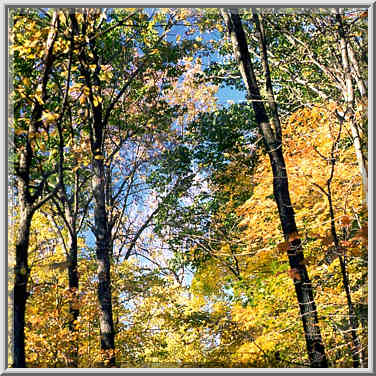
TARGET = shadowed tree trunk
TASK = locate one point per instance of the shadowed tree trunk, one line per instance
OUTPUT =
(21, 273)
(272, 134)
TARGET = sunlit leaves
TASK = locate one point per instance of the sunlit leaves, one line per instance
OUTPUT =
(238, 308)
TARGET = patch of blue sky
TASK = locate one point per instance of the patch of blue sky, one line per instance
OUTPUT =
(227, 96)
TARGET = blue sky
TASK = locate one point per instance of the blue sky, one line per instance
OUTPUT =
(227, 93)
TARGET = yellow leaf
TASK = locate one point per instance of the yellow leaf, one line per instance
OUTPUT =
(63, 19)
(49, 116)
(96, 100)
(100, 157)
(19, 132)
(39, 99)
(26, 81)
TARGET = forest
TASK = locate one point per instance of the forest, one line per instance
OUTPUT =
(188, 188)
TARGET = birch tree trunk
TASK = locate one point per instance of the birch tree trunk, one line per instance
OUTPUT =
(347, 54)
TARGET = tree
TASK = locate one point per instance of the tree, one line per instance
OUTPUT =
(273, 144)
(104, 111)
(342, 67)
(34, 111)
(152, 235)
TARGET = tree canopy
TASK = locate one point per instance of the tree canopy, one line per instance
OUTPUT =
(188, 188)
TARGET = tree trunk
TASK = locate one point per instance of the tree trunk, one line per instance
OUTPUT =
(101, 229)
(356, 72)
(348, 94)
(302, 283)
(73, 305)
(356, 348)
(272, 140)
(360, 158)
(21, 274)
(103, 243)
(28, 206)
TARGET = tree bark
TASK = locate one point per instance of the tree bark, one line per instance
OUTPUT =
(273, 143)
(28, 205)
(348, 94)
(102, 230)
(103, 243)
(73, 305)
(355, 69)
(21, 273)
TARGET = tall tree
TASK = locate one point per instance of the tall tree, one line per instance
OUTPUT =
(35, 174)
(272, 134)
(108, 96)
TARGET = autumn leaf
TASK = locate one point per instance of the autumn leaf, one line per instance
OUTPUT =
(327, 240)
(82, 99)
(154, 51)
(49, 117)
(20, 132)
(294, 274)
(356, 252)
(293, 236)
(96, 100)
(362, 235)
(345, 221)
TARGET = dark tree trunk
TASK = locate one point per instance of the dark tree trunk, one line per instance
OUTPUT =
(273, 143)
(103, 243)
(73, 306)
(21, 270)
(28, 205)
(21, 274)
(302, 283)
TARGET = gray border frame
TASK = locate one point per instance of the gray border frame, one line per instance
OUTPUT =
(8, 4)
